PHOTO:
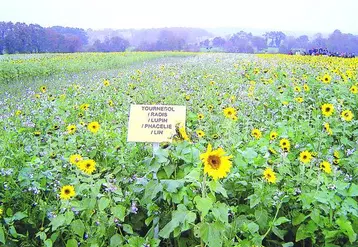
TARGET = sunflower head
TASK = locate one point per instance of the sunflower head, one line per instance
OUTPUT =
(71, 129)
(269, 175)
(67, 192)
(326, 167)
(285, 144)
(75, 159)
(256, 133)
(273, 135)
(230, 112)
(354, 89)
(327, 109)
(87, 166)
(216, 163)
(93, 127)
(200, 133)
(347, 115)
(305, 157)
(326, 79)
(200, 116)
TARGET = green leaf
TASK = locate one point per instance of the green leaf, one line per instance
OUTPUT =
(261, 217)
(301, 233)
(216, 186)
(253, 227)
(347, 229)
(48, 243)
(127, 228)
(193, 176)
(103, 203)
(71, 243)
(279, 233)
(249, 154)
(57, 222)
(298, 219)
(2, 234)
(353, 190)
(78, 227)
(119, 212)
(172, 185)
(211, 233)
(136, 242)
(19, 216)
(280, 221)
(181, 217)
(203, 205)
(151, 190)
(254, 200)
(220, 212)
(289, 244)
(116, 240)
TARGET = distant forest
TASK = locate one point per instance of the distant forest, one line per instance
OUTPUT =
(23, 38)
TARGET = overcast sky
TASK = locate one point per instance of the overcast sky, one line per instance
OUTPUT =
(295, 15)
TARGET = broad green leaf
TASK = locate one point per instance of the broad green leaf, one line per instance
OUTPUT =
(212, 233)
(71, 243)
(347, 229)
(119, 212)
(127, 228)
(19, 216)
(353, 190)
(151, 190)
(48, 243)
(278, 232)
(298, 219)
(301, 233)
(280, 221)
(103, 203)
(57, 222)
(136, 242)
(253, 227)
(78, 227)
(2, 234)
(261, 217)
(220, 212)
(172, 185)
(116, 240)
(203, 205)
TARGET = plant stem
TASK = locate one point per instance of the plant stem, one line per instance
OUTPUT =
(277, 210)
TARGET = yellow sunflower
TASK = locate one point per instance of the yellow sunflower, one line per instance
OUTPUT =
(229, 112)
(216, 164)
(354, 89)
(327, 109)
(328, 129)
(326, 167)
(187, 97)
(285, 145)
(87, 166)
(256, 133)
(1, 212)
(336, 154)
(18, 113)
(306, 88)
(93, 127)
(71, 129)
(273, 135)
(110, 103)
(75, 159)
(67, 192)
(299, 99)
(269, 175)
(326, 79)
(297, 89)
(347, 115)
(106, 83)
(84, 107)
(200, 133)
(305, 157)
(200, 116)
(43, 89)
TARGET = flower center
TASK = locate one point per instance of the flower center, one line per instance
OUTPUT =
(328, 109)
(304, 157)
(214, 162)
(67, 191)
(88, 165)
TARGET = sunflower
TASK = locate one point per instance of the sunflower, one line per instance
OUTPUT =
(297, 89)
(326, 79)
(93, 127)
(67, 192)
(272, 151)
(299, 99)
(110, 103)
(18, 113)
(285, 145)
(216, 164)
(284, 102)
(212, 83)
(256, 133)
(1, 212)
(87, 166)
(71, 129)
(269, 175)
(75, 159)
(200, 116)
(347, 115)
(211, 107)
(326, 167)
(306, 88)
(336, 154)
(327, 109)
(328, 129)
(187, 97)
(273, 135)
(305, 157)
(84, 107)
(43, 89)
(200, 133)
(354, 89)
(37, 96)
(229, 112)
(336, 161)
(106, 83)
(215, 136)
(37, 133)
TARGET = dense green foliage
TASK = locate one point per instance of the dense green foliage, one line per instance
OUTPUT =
(136, 198)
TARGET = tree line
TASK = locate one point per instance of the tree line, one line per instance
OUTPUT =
(32, 38)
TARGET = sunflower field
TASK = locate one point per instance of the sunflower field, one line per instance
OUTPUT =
(267, 157)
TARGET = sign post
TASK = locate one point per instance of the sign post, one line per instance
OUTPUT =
(155, 124)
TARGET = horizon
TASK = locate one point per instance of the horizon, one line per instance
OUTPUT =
(305, 17)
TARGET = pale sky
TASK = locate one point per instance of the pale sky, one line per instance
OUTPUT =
(295, 15)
